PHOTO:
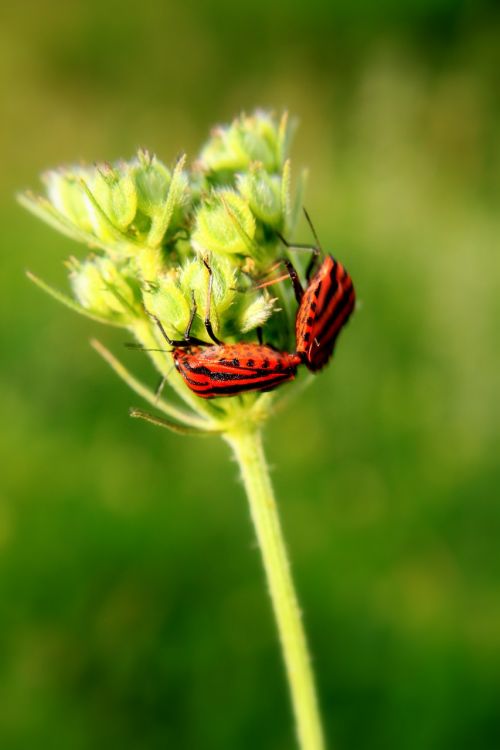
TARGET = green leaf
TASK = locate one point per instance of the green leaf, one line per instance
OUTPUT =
(264, 195)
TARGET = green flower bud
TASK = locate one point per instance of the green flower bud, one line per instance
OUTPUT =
(106, 289)
(263, 192)
(168, 302)
(114, 191)
(259, 137)
(232, 312)
(195, 277)
(94, 205)
(67, 195)
(224, 225)
(161, 196)
(158, 229)
(194, 280)
(117, 208)
(152, 181)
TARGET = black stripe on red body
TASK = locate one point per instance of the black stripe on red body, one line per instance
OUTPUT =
(230, 369)
(324, 309)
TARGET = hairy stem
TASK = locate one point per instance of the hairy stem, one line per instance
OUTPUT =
(247, 447)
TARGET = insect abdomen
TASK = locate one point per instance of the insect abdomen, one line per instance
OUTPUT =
(230, 369)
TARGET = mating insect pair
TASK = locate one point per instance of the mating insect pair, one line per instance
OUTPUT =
(218, 369)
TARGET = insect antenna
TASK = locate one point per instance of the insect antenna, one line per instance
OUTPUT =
(313, 230)
(141, 348)
(185, 342)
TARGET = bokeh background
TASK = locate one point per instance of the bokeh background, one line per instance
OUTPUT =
(132, 607)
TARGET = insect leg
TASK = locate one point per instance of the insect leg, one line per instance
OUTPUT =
(298, 246)
(179, 343)
(315, 235)
(316, 249)
(319, 249)
(208, 324)
(187, 332)
(297, 286)
(291, 273)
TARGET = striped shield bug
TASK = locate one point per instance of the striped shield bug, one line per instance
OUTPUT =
(213, 368)
(230, 369)
(325, 305)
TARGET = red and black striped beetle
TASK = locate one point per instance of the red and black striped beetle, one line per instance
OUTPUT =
(230, 369)
(325, 305)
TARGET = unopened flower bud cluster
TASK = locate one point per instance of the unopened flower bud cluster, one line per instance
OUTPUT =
(149, 226)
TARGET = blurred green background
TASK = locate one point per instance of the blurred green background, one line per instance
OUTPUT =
(132, 607)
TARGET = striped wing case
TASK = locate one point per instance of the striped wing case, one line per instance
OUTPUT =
(324, 309)
(230, 369)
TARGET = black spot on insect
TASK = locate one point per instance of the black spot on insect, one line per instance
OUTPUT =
(250, 362)
(236, 362)
(310, 321)
(307, 335)
(265, 364)
(313, 306)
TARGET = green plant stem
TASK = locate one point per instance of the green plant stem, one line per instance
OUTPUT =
(247, 447)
